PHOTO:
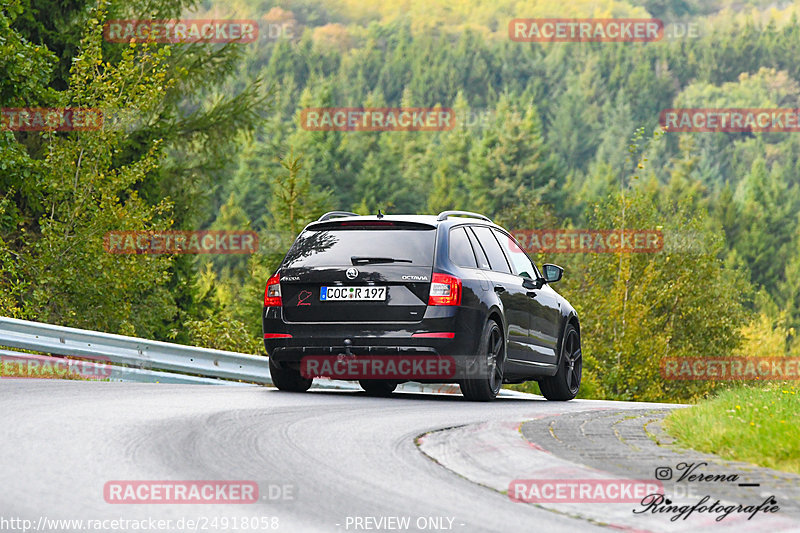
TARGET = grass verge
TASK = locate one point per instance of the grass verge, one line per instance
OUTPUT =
(757, 424)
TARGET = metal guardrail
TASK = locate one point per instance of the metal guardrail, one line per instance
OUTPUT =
(156, 361)
(44, 366)
(140, 353)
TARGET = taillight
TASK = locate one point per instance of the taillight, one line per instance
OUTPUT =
(272, 294)
(437, 335)
(445, 290)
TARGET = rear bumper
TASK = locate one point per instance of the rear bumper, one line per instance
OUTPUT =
(416, 340)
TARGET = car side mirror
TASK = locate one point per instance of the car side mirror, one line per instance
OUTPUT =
(552, 273)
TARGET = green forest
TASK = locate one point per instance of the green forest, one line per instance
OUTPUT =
(550, 135)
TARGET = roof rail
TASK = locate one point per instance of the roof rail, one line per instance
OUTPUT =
(329, 215)
(444, 214)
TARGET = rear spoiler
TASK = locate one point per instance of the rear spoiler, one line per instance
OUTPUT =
(332, 214)
(368, 223)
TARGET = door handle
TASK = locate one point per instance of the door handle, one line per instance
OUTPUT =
(531, 294)
(499, 289)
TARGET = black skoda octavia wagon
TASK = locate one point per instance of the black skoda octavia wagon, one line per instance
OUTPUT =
(386, 299)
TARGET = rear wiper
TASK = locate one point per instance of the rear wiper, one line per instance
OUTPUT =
(358, 260)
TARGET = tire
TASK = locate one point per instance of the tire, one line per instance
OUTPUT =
(567, 381)
(378, 387)
(491, 363)
(288, 379)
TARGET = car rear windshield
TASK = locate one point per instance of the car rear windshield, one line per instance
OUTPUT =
(342, 245)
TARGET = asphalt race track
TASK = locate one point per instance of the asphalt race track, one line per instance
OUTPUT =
(324, 461)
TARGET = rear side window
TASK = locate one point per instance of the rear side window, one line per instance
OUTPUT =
(461, 249)
(338, 246)
(483, 261)
(497, 258)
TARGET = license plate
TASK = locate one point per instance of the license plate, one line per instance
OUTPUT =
(339, 294)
